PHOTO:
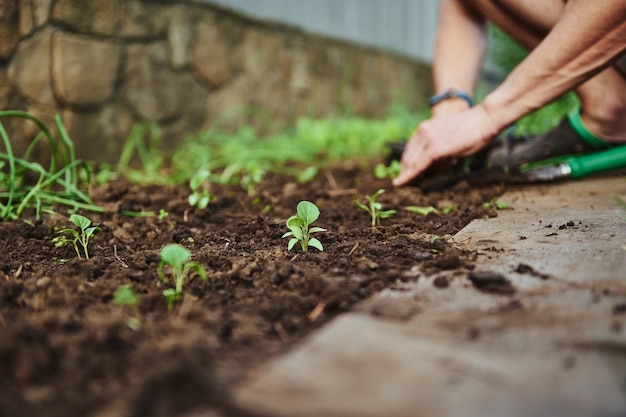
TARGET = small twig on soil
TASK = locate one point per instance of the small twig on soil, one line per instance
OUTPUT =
(244, 207)
(294, 257)
(331, 180)
(317, 310)
(345, 191)
(124, 264)
(356, 245)
(280, 330)
(186, 216)
(19, 271)
(270, 197)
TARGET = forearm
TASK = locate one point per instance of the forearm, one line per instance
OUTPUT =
(459, 48)
(586, 39)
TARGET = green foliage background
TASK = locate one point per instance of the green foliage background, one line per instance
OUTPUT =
(504, 54)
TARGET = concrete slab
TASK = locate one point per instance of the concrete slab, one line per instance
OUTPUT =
(573, 231)
(555, 347)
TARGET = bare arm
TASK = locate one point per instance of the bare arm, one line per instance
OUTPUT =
(587, 38)
(459, 52)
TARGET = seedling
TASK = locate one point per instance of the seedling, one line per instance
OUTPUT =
(496, 204)
(256, 201)
(422, 210)
(77, 238)
(299, 227)
(374, 208)
(163, 214)
(175, 258)
(125, 296)
(200, 196)
(307, 175)
(426, 210)
(431, 243)
(382, 171)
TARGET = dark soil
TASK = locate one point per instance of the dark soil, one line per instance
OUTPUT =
(67, 350)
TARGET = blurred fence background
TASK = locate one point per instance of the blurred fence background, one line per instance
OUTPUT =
(406, 27)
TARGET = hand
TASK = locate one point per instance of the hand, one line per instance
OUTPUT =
(451, 136)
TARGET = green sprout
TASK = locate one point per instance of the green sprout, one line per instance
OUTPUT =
(382, 171)
(422, 210)
(299, 227)
(307, 175)
(200, 196)
(431, 243)
(375, 208)
(125, 296)
(77, 238)
(496, 204)
(176, 258)
(426, 210)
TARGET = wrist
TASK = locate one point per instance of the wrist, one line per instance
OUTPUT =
(450, 106)
(501, 110)
(451, 94)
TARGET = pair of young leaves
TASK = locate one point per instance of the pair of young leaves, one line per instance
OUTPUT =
(299, 230)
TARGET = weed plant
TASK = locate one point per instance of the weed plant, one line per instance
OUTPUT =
(141, 160)
(56, 185)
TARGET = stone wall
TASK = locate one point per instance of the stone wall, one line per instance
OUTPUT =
(104, 65)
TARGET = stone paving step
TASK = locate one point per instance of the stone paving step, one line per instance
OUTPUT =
(553, 346)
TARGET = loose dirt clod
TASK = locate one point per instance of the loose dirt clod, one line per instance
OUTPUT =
(491, 282)
(619, 308)
(523, 268)
(441, 282)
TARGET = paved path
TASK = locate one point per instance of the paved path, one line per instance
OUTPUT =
(556, 346)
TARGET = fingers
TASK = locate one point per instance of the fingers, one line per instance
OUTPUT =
(405, 177)
(451, 136)
(415, 160)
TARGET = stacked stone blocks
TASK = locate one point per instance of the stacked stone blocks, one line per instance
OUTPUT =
(104, 65)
